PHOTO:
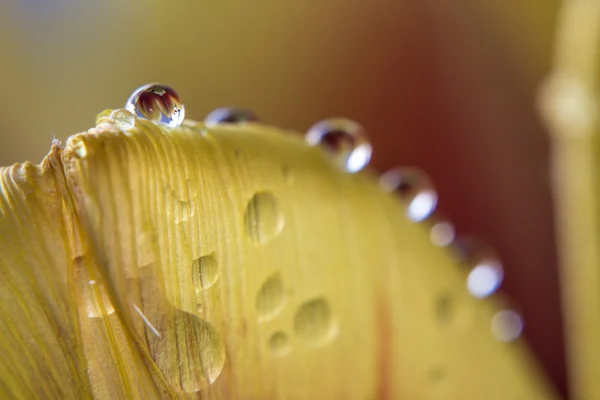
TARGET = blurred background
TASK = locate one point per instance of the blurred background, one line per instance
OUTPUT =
(449, 87)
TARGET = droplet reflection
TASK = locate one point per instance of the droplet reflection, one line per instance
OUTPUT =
(158, 103)
(345, 140)
(414, 188)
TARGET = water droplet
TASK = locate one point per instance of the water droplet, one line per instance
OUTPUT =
(507, 325)
(437, 373)
(442, 233)
(124, 119)
(229, 115)
(279, 343)
(94, 301)
(270, 298)
(190, 351)
(205, 272)
(345, 140)
(485, 278)
(263, 219)
(444, 308)
(158, 103)
(453, 311)
(486, 270)
(314, 321)
(101, 117)
(414, 188)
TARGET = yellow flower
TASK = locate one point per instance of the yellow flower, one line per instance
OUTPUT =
(231, 262)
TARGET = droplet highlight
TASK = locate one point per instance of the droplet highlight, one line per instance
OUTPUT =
(485, 278)
(279, 344)
(414, 189)
(229, 115)
(205, 272)
(314, 322)
(263, 219)
(345, 140)
(486, 273)
(157, 103)
(270, 298)
(507, 325)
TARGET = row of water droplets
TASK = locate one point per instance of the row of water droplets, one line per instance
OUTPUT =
(348, 146)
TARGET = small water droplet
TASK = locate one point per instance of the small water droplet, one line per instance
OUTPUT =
(229, 115)
(314, 321)
(444, 308)
(507, 325)
(158, 103)
(414, 188)
(279, 343)
(205, 272)
(437, 373)
(345, 140)
(263, 219)
(453, 310)
(486, 269)
(270, 298)
(124, 119)
(442, 233)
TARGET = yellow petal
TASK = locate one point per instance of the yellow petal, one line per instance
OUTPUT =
(235, 262)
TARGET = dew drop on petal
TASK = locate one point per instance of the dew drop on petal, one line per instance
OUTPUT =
(229, 115)
(157, 103)
(486, 274)
(123, 118)
(345, 140)
(507, 325)
(414, 188)
(442, 233)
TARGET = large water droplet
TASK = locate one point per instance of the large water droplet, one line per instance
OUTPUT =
(158, 103)
(270, 298)
(345, 140)
(229, 115)
(486, 269)
(414, 188)
(314, 322)
(189, 351)
(263, 218)
(507, 325)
